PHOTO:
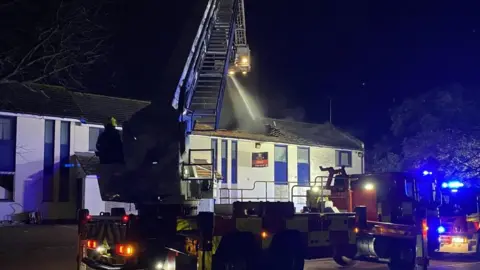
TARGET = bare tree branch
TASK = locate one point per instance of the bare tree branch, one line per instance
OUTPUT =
(68, 45)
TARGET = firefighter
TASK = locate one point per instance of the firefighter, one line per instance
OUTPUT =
(109, 144)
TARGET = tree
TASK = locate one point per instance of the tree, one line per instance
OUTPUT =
(455, 152)
(57, 48)
(383, 157)
(439, 129)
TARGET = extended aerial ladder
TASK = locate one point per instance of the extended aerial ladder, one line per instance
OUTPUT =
(155, 143)
(226, 47)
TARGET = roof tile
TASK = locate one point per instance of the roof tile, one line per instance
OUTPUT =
(59, 102)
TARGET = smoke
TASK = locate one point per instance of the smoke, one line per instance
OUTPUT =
(294, 114)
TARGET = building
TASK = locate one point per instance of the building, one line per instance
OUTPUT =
(48, 137)
(280, 162)
(42, 134)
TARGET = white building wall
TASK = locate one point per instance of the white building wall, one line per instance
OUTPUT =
(256, 184)
(81, 138)
(28, 180)
(28, 168)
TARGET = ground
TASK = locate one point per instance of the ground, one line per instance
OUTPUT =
(54, 248)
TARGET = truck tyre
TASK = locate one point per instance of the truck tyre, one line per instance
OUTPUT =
(343, 255)
(237, 251)
(403, 256)
(287, 251)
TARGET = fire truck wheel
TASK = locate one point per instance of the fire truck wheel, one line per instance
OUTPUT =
(287, 251)
(341, 256)
(477, 250)
(237, 251)
(403, 256)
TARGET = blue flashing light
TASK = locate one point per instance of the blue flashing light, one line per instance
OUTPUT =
(441, 229)
(452, 185)
(425, 173)
(68, 165)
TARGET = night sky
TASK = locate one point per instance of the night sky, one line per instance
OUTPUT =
(366, 55)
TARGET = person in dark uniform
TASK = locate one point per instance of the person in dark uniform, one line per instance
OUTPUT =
(109, 144)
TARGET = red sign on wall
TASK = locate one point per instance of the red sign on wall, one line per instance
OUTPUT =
(260, 159)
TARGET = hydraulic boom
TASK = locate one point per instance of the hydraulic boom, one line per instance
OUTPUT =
(153, 150)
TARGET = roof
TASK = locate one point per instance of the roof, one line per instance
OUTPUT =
(290, 132)
(57, 101)
(88, 162)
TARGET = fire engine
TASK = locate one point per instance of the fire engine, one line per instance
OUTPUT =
(389, 215)
(178, 225)
(457, 225)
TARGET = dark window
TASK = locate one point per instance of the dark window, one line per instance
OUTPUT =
(48, 160)
(344, 158)
(234, 162)
(303, 165)
(64, 186)
(6, 128)
(6, 187)
(7, 144)
(281, 165)
(224, 161)
(93, 134)
(214, 148)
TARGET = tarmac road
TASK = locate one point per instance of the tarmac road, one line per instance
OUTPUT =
(38, 247)
(54, 248)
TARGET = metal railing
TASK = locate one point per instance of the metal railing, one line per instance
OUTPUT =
(244, 198)
(319, 182)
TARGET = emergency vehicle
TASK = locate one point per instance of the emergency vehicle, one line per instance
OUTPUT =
(457, 226)
(178, 226)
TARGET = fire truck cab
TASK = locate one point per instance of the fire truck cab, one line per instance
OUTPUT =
(391, 215)
(457, 227)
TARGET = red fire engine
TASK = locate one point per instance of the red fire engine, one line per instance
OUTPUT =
(457, 226)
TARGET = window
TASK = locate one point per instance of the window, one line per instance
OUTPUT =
(224, 161)
(303, 165)
(93, 134)
(49, 131)
(280, 153)
(234, 162)
(281, 165)
(48, 160)
(344, 158)
(7, 144)
(6, 187)
(64, 185)
(6, 128)
(214, 143)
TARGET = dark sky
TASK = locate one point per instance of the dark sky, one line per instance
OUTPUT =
(366, 55)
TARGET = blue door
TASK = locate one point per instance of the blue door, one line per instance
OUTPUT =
(224, 152)
(303, 165)
(281, 165)
(234, 162)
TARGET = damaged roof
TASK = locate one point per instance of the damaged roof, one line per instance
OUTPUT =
(57, 101)
(292, 132)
